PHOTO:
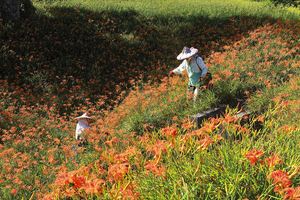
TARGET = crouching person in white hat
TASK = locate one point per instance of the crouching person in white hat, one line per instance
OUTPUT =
(195, 67)
(82, 124)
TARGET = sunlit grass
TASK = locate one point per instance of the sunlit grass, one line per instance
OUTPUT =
(207, 8)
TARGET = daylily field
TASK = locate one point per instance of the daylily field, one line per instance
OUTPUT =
(111, 59)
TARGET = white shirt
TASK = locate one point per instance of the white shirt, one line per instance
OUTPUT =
(192, 67)
(81, 125)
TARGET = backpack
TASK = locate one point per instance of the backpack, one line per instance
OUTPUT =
(208, 76)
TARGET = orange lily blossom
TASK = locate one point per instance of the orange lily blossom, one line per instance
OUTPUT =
(292, 193)
(153, 167)
(169, 131)
(254, 155)
(273, 160)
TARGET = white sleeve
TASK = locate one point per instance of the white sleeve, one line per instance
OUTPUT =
(202, 66)
(180, 68)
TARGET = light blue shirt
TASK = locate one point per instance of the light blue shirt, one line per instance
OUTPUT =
(195, 69)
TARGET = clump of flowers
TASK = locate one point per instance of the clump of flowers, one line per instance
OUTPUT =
(292, 193)
(76, 183)
(281, 180)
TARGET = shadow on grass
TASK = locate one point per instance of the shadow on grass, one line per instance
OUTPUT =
(104, 53)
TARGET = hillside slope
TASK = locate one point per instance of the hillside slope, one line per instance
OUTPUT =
(142, 144)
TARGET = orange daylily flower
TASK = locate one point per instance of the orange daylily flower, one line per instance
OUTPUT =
(153, 167)
(273, 160)
(254, 155)
(292, 193)
(117, 171)
(205, 142)
(78, 181)
(169, 131)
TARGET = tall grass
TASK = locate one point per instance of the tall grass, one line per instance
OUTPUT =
(211, 9)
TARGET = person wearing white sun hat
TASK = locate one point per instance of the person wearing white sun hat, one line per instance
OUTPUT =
(195, 67)
(82, 124)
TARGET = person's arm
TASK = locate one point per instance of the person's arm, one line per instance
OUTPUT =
(180, 68)
(202, 66)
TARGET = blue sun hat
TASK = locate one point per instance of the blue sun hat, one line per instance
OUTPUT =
(186, 53)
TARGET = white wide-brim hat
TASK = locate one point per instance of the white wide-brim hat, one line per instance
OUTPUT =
(187, 52)
(84, 116)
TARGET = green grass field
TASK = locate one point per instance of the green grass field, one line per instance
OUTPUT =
(112, 58)
(211, 9)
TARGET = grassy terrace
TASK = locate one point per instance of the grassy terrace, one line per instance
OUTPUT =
(112, 58)
(211, 9)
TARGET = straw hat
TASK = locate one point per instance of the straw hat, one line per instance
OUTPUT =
(187, 52)
(84, 116)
